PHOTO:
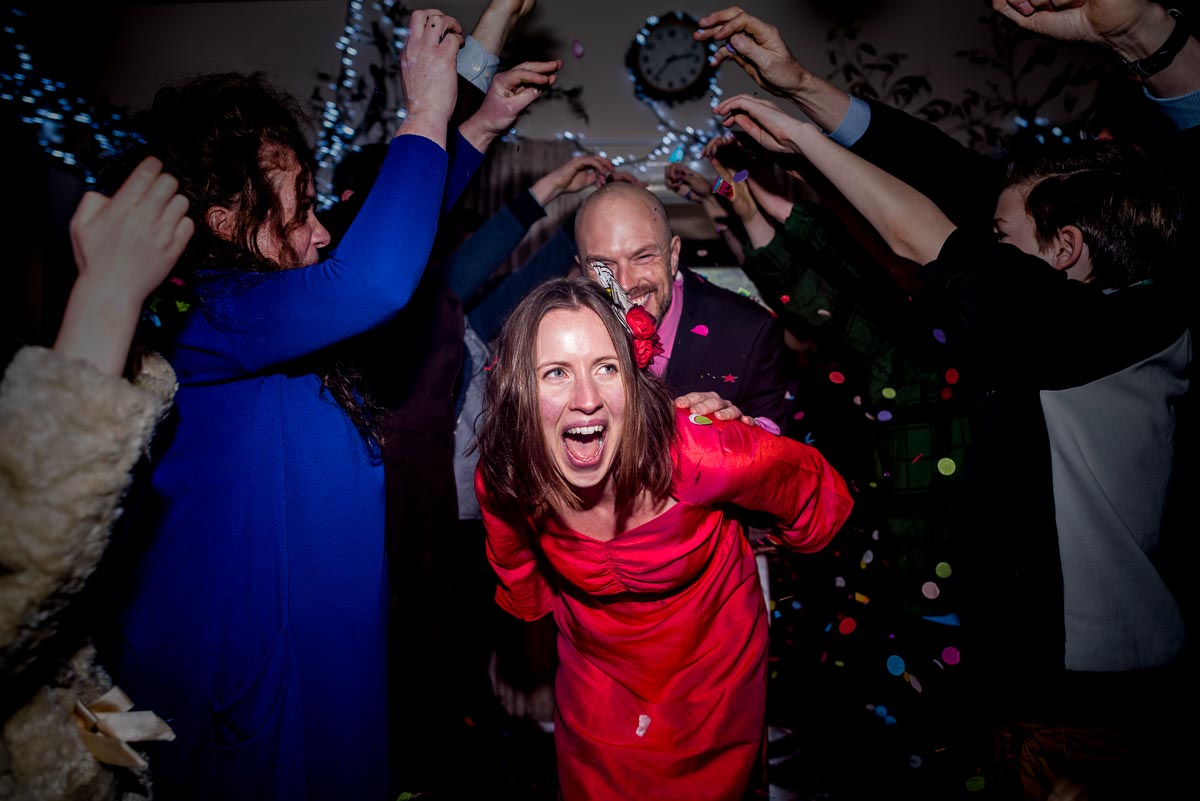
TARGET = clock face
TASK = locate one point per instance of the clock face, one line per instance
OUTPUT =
(667, 62)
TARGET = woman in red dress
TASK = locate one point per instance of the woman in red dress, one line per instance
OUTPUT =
(606, 506)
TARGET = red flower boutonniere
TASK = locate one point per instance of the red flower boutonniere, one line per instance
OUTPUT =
(645, 335)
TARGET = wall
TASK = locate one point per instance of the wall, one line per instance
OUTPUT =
(292, 39)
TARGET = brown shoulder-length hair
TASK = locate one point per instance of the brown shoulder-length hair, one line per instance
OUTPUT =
(519, 472)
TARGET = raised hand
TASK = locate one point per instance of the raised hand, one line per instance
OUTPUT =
(429, 73)
(756, 47)
(763, 121)
(1081, 20)
(124, 247)
(686, 183)
(510, 93)
(571, 176)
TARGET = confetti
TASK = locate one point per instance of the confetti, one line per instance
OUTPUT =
(847, 625)
(976, 783)
(914, 682)
(767, 424)
(930, 590)
(787, 395)
(729, 47)
(914, 761)
(950, 655)
(839, 582)
(946, 466)
(723, 188)
(577, 48)
(947, 393)
(895, 666)
(699, 419)
(857, 400)
(884, 415)
(702, 252)
(740, 176)
(939, 335)
(785, 299)
(942, 569)
(677, 155)
(888, 393)
(798, 416)
(643, 724)
(862, 599)
(917, 458)
(729, 378)
(825, 312)
(951, 376)
(946, 620)
(701, 330)
(868, 557)
(837, 377)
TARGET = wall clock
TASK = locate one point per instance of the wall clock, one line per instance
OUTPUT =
(666, 63)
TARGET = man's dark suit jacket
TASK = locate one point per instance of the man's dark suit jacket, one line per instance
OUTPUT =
(744, 342)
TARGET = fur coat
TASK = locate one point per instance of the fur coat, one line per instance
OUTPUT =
(69, 439)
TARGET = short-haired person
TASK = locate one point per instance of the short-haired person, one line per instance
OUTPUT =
(714, 340)
(606, 507)
(1072, 301)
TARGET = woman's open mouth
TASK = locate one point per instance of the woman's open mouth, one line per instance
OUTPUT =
(584, 445)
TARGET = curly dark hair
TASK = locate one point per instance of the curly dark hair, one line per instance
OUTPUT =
(224, 136)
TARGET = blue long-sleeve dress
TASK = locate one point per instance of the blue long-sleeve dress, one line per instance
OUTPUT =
(256, 619)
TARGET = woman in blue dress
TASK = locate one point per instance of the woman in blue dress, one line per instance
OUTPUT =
(255, 618)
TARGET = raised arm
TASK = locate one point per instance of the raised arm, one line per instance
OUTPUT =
(510, 93)
(124, 247)
(258, 320)
(1131, 29)
(911, 224)
(757, 47)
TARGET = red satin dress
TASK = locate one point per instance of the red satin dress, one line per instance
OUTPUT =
(662, 644)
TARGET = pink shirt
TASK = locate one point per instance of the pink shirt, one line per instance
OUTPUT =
(668, 326)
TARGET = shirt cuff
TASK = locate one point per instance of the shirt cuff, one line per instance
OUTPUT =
(1183, 110)
(853, 125)
(476, 64)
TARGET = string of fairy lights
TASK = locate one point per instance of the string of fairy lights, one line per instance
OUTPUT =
(70, 128)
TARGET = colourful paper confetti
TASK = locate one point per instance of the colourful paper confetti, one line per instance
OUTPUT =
(676, 154)
(837, 377)
(946, 466)
(888, 393)
(930, 590)
(943, 570)
(577, 48)
(729, 378)
(767, 424)
(740, 176)
(951, 376)
(700, 420)
(939, 335)
(884, 415)
(701, 330)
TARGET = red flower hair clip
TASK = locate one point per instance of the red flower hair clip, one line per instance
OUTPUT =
(646, 344)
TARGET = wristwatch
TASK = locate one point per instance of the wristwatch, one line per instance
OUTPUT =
(1158, 60)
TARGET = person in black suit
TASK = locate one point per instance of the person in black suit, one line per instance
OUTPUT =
(714, 340)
